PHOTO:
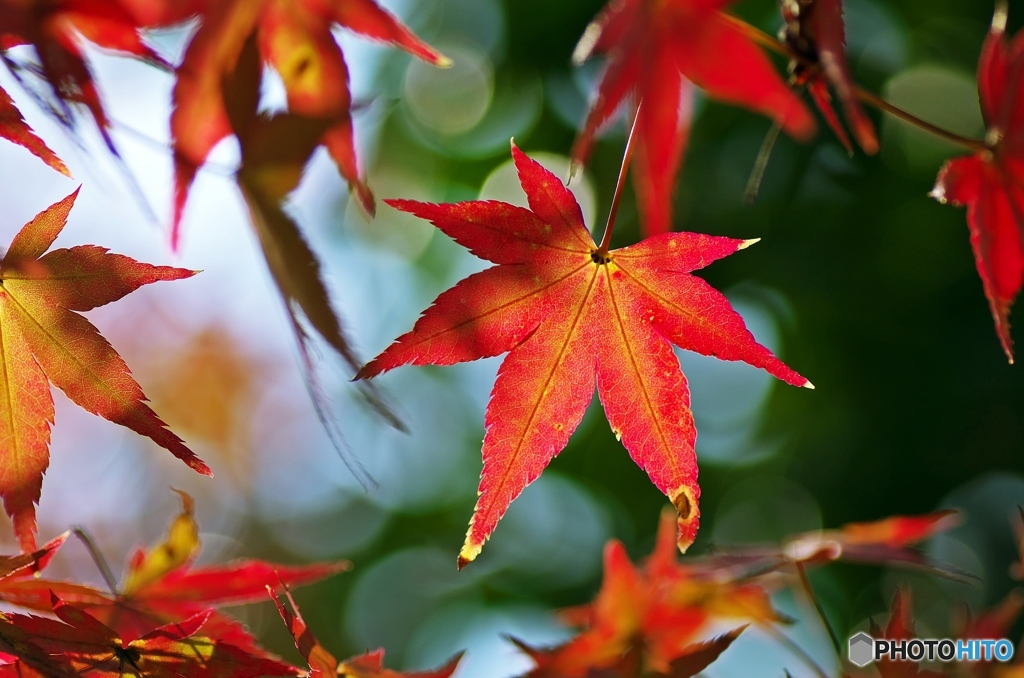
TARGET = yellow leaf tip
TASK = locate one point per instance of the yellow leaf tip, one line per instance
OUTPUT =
(443, 62)
(585, 47)
(574, 167)
(747, 243)
(468, 553)
(999, 17)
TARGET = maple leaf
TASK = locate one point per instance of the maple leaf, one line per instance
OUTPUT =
(989, 184)
(294, 37)
(275, 150)
(889, 541)
(21, 658)
(28, 564)
(58, 30)
(885, 541)
(996, 621)
(900, 627)
(323, 664)
(14, 128)
(571, 315)
(161, 587)
(43, 340)
(651, 618)
(658, 51)
(91, 648)
(815, 31)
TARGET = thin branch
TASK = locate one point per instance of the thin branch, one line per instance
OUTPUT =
(878, 102)
(766, 40)
(761, 164)
(798, 651)
(809, 590)
(613, 211)
(870, 98)
(98, 559)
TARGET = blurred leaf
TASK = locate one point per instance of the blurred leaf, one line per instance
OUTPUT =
(652, 617)
(989, 182)
(56, 30)
(815, 30)
(322, 663)
(295, 39)
(14, 128)
(658, 52)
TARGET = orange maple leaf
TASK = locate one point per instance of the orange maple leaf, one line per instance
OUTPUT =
(652, 618)
(294, 37)
(43, 340)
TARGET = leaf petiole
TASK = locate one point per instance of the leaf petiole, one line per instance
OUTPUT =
(805, 581)
(98, 559)
(627, 156)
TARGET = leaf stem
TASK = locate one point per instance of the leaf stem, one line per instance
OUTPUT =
(878, 102)
(761, 164)
(627, 156)
(809, 590)
(793, 647)
(870, 98)
(98, 559)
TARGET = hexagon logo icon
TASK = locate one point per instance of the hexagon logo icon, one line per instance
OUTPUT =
(862, 649)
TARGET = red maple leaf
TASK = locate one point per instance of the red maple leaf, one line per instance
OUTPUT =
(58, 30)
(571, 315)
(294, 38)
(991, 182)
(91, 648)
(29, 564)
(658, 51)
(14, 128)
(161, 587)
(815, 31)
(43, 340)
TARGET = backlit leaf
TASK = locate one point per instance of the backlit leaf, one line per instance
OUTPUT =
(571, 318)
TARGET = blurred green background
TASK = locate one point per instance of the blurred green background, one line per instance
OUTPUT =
(861, 282)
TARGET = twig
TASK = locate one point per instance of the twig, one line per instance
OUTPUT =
(798, 651)
(98, 559)
(878, 102)
(809, 590)
(761, 164)
(870, 98)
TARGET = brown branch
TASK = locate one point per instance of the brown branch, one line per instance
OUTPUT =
(870, 98)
